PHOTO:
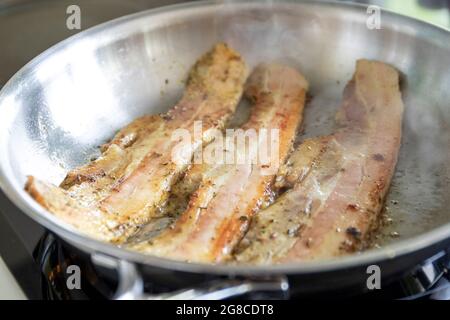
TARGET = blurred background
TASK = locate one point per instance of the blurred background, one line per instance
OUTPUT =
(28, 27)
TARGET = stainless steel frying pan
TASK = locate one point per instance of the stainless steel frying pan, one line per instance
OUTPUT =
(73, 97)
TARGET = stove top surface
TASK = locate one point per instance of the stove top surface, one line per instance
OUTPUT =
(46, 277)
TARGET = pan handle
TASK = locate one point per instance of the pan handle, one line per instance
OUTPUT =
(131, 285)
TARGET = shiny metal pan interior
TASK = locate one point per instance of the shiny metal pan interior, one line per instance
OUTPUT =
(57, 110)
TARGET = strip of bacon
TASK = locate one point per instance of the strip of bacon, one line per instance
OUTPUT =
(88, 220)
(300, 162)
(336, 206)
(220, 210)
(136, 171)
(177, 203)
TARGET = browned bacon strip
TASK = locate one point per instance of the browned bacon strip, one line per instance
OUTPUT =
(213, 91)
(114, 160)
(335, 207)
(276, 229)
(176, 204)
(300, 162)
(134, 175)
(229, 194)
(89, 221)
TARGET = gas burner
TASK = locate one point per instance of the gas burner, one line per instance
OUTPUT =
(429, 280)
(53, 260)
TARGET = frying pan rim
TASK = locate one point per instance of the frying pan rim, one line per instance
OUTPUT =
(24, 202)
